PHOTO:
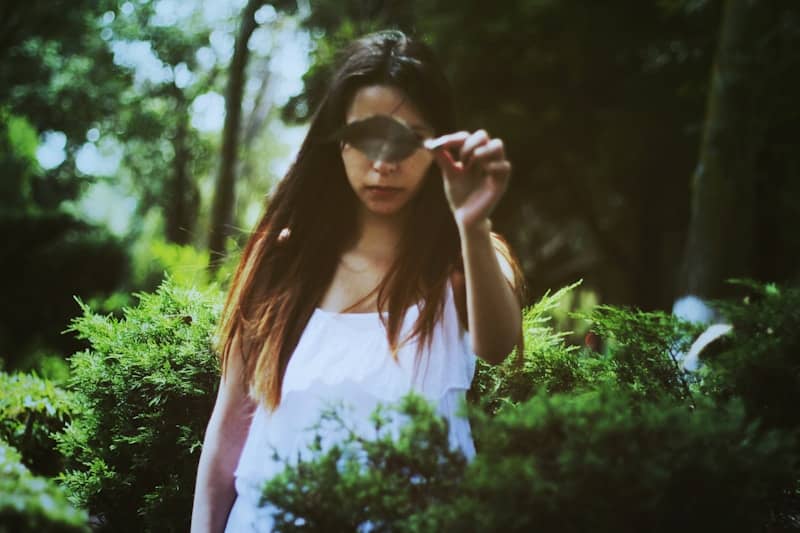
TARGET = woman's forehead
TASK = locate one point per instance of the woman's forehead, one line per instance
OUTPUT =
(385, 100)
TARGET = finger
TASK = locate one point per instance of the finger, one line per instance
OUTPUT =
(499, 174)
(478, 138)
(492, 150)
(451, 140)
(500, 169)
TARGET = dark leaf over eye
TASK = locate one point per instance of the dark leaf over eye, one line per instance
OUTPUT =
(380, 138)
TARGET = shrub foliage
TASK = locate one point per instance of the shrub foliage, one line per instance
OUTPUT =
(146, 388)
(31, 503)
(32, 410)
(571, 439)
(760, 361)
(384, 483)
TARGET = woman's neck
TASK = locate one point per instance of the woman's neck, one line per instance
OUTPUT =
(378, 237)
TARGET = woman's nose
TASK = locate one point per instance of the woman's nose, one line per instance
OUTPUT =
(384, 167)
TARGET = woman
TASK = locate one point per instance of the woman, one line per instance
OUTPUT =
(360, 272)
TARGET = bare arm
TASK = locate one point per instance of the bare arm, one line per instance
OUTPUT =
(493, 310)
(225, 435)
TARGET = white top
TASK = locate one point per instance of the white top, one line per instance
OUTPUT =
(344, 359)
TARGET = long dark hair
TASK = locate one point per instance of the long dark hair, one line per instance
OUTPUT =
(279, 282)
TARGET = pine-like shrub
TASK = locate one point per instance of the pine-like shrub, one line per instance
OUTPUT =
(642, 355)
(607, 461)
(381, 483)
(30, 503)
(759, 361)
(31, 411)
(592, 461)
(547, 362)
(146, 388)
(644, 350)
(573, 440)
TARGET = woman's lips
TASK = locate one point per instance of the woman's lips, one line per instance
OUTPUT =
(383, 192)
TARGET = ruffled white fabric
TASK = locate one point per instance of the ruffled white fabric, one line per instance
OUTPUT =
(343, 360)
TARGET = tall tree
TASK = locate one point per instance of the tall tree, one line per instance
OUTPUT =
(164, 155)
(183, 197)
(748, 77)
(224, 194)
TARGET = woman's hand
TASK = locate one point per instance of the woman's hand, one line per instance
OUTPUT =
(476, 181)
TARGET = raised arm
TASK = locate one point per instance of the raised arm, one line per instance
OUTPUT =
(225, 435)
(476, 175)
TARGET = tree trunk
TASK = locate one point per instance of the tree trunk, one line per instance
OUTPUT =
(182, 203)
(721, 232)
(224, 195)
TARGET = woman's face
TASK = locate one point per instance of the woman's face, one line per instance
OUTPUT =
(400, 180)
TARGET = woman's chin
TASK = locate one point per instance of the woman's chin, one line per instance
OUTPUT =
(385, 209)
(385, 212)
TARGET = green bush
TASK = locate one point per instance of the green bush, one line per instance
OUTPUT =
(381, 481)
(760, 360)
(606, 461)
(146, 387)
(31, 411)
(644, 350)
(594, 461)
(641, 356)
(33, 504)
(572, 440)
(547, 362)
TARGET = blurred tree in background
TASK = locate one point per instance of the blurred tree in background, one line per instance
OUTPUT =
(163, 153)
(224, 193)
(57, 76)
(105, 151)
(745, 185)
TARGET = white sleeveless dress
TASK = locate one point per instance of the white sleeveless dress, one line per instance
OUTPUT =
(344, 359)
